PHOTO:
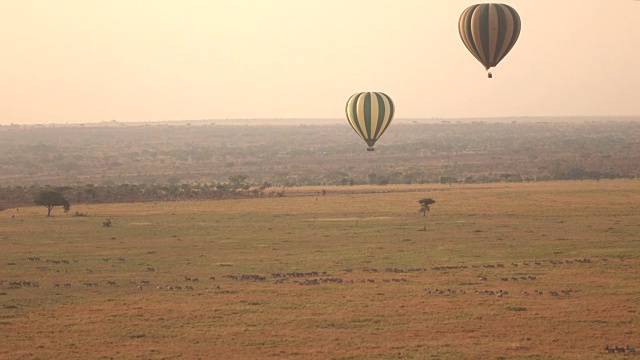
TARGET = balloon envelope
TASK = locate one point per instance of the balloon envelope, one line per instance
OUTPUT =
(369, 114)
(489, 31)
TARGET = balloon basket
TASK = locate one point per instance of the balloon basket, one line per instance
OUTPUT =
(371, 149)
(490, 75)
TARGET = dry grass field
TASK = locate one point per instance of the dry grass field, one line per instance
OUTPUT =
(500, 271)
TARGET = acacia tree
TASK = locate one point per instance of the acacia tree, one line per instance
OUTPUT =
(51, 199)
(424, 205)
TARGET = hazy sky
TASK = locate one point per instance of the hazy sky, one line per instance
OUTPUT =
(137, 60)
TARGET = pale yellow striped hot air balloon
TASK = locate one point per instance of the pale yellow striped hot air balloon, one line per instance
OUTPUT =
(370, 114)
(489, 31)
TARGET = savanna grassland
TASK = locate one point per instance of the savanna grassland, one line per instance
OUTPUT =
(508, 270)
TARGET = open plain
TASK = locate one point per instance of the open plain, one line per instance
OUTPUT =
(495, 271)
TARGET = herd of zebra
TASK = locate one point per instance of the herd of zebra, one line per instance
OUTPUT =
(497, 293)
(324, 277)
(620, 349)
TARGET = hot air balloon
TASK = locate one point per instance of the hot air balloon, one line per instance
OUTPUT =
(369, 114)
(489, 31)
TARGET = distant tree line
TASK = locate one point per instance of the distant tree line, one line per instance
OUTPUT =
(237, 187)
(240, 186)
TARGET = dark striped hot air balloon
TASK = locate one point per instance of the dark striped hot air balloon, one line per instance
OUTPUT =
(489, 31)
(369, 114)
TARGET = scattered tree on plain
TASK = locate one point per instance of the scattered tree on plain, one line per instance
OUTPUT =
(424, 205)
(51, 199)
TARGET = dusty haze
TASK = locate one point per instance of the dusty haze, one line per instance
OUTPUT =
(84, 61)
